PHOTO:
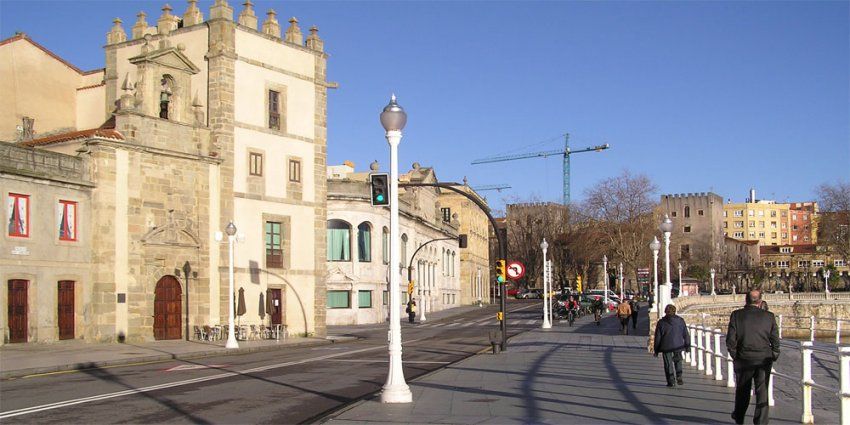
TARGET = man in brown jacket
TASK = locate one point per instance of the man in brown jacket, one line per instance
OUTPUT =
(624, 312)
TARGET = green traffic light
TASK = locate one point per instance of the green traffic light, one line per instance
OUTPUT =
(500, 279)
(380, 198)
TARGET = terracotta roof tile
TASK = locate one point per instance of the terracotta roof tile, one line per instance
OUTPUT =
(109, 133)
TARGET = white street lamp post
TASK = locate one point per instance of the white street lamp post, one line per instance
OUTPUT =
(680, 278)
(423, 291)
(393, 119)
(826, 281)
(546, 322)
(712, 272)
(479, 287)
(666, 228)
(655, 246)
(605, 275)
(231, 332)
(622, 284)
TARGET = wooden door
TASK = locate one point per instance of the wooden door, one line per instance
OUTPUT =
(66, 309)
(168, 314)
(18, 310)
(277, 306)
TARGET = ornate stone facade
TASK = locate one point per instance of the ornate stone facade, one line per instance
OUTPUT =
(182, 108)
(475, 281)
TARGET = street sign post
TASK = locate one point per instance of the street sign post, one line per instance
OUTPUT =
(515, 270)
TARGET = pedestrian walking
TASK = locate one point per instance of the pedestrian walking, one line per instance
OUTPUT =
(671, 338)
(597, 308)
(411, 310)
(624, 312)
(635, 309)
(753, 342)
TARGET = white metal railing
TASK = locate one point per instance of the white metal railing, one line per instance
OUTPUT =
(812, 326)
(707, 349)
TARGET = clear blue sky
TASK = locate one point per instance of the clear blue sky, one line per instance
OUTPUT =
(698, 95)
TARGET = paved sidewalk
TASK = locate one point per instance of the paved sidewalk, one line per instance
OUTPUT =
(17, 360)
(584, 374)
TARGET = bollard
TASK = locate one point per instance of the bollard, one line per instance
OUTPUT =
(780, 326)
(844, 354)
(700, 349)
(718, 357)
(709, 353)
(812, 329)
(494, 342)
(730, 372)
(693, 336)
(806, 350)
(837, 331)
(770, 400)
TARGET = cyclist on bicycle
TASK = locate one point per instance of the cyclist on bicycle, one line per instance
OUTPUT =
(572, 307)
(597, 308)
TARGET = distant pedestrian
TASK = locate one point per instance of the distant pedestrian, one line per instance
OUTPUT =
(597, 308)
(671, 338)
(635, 309)
(624, 312)
(753, 342)
(411, 310)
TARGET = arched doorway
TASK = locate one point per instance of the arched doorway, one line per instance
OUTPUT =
(167, 311)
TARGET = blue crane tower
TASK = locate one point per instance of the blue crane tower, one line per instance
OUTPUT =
(565, 153)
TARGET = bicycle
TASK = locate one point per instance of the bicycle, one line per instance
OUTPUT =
(571, 316)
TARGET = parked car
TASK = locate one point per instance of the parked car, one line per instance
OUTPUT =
(531, 294)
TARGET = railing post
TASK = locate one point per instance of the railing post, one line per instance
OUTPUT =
(812, 329)
(730, 372)
(686, 357)
(780, 326)
(770, 399)
(700, 350)
(806, 351)
(709, 352)
(693, 346)
(718, 357)
(844, 354)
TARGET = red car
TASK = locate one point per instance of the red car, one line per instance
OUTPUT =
(512, 292)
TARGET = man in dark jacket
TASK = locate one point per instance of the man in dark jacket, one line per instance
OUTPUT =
(671, 338)
(753, 342)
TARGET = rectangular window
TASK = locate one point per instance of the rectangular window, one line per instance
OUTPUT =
(772, 224)
(274, 251)
(752, 223)
(785, 250)
(339, 299)
(794, 238)
(725, 214)
(673, 214)
(725, 225)
(385, 298)
(700, 213)
(18, 213)
(773, 213)
(784, 235)
(761, 224)
(739, 213)
(782, 264)
(803, 263)
(739, 234)
(364, 299)
(839, 263)
(773, 235)
(255, 164)
(274, 110)
(761, 234)
(294, 170)
(447, 214)
(385, 246)
(752, 234)
(818, 263)
(794, 217)
(751, 213)
(66, 211)
(739, 224)
(761, 213)
(687, 229)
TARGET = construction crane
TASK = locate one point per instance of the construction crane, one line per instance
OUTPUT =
(565, 153)
(497, 187)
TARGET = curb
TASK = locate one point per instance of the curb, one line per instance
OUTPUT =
(20, 373)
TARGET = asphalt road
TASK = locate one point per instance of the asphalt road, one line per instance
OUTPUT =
(284, 386)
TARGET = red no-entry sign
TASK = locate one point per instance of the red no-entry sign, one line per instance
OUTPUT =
(515, 270)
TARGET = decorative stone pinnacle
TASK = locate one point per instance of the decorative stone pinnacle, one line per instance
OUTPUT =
(116, 34)
(313, 40)
(293, 33)
(166, 10)
(271, 26)
(193, 15)
(247, 16)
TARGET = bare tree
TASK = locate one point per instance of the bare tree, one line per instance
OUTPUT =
(834, 224)
(528, 223)
(625, 211)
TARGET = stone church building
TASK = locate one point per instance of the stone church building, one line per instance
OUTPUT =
(191, 124)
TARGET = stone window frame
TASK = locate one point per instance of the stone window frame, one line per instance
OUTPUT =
(294, 189)
(281, 89)
(371, 302)
(256, 171)
(285, 236)
(256, 183)
(8, 217)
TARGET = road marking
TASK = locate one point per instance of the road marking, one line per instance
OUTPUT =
(195, 367)
(466, 324)
(67, 403)
(452, 324)
(386, 361)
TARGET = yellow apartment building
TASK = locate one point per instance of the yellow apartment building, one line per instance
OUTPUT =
(763, 221)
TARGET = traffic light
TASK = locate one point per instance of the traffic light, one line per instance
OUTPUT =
(409, 287)
(380, 189)
(500, 271)
(578, 283)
